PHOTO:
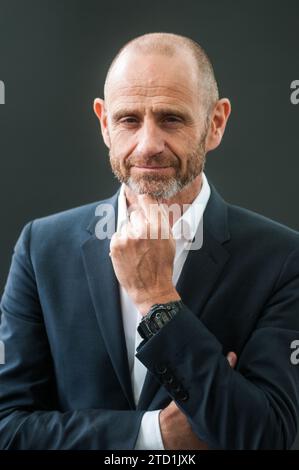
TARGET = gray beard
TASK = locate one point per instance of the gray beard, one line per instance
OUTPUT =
(171, 188)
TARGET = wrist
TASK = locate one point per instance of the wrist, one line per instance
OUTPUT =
(161, 297)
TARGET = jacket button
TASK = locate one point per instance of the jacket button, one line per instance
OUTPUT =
(167, 380)
(177, 388)
(161, 369)
(183, 395)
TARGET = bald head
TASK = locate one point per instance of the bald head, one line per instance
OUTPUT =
(171, 45)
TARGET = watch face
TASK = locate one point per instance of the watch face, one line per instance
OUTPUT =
(158, 316)
(153, 325)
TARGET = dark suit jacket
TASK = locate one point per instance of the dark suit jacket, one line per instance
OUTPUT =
(66, 382)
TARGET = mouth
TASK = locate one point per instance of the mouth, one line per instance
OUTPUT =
(153, 168)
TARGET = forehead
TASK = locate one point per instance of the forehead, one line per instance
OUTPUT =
(152, 78)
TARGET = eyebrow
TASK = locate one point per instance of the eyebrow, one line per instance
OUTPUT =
(160, 112)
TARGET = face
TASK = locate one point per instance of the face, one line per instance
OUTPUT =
(154, 123)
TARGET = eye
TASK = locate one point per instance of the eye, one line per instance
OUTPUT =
(129, 120)
(172, 120)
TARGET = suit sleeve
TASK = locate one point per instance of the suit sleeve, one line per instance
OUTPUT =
(254, 406)
(29, 408)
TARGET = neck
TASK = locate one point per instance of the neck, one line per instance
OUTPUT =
(184, 197)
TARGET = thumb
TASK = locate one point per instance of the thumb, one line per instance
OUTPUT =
(232, 359)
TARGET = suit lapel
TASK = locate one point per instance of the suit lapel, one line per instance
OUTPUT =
(199, 274)
(104, 291)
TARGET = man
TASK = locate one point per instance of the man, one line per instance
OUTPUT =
(91, 361)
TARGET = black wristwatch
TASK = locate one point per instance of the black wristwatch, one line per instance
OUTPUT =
(158, 316)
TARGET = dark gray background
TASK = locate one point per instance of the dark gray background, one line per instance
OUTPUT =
(53, 59)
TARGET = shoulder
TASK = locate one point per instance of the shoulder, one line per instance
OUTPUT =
(76, 217)
(65, 226)
(251, 228)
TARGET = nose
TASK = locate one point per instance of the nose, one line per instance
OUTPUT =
(150, 139)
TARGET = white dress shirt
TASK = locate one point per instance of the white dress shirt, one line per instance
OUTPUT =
(149, 437)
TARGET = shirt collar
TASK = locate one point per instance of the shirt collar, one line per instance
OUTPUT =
(122, 215)
(186, 226)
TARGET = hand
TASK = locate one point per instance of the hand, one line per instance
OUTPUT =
(142, 264)
(175, 429)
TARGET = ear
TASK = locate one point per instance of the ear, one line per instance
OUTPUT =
(100, 111)
(219, 118)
